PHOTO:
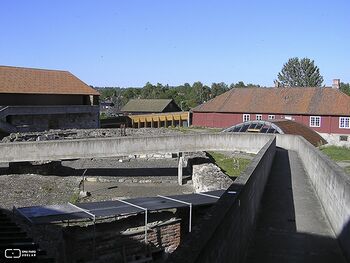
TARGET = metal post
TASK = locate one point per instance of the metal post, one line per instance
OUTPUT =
(183, 202)
(142, 208)
(179, 171)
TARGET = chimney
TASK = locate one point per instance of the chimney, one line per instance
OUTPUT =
(336, 84)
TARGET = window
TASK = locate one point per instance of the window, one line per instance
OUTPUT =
(315, 121)
(343, 138)
(288, 117)
(271, 117)
(258, 117)
(246, 117)
(344, 122)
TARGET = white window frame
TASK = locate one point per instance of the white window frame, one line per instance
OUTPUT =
(272, 117)
(344, 122)
(258, 117)
(246, 117)
(313, 121)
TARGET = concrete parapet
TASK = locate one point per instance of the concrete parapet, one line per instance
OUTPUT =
(330, 182)
(225, 232)
(110, 147)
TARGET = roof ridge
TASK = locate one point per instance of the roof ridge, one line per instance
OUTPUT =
(41, 69)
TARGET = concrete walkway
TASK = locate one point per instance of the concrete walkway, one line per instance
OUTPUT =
(292, 226)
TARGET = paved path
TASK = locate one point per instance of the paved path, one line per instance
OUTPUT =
(292, 226)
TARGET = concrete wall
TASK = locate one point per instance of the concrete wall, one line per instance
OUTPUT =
(224, 234)
(334, 139)
(109, 147)
(330, 182)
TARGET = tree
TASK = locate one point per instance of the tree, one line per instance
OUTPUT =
(300, 73)
(345, 87)
(218, 88)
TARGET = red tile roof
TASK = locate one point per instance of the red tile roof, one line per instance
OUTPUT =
(41, 81)
(318, 101)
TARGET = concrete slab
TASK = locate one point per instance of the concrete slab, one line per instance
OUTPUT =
(292, 225)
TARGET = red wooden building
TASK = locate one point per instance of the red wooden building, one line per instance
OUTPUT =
(325, 110)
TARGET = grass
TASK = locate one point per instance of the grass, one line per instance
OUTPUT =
(74, 198)
(231, 166)
(194, 129)
(337, 153)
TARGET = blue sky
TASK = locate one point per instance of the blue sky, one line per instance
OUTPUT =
(130, 42)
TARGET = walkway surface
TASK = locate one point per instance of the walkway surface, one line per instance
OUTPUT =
(292, 226)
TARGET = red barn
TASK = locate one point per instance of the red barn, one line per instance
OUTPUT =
(325, 110)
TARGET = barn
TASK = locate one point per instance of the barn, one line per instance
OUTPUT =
(41, 99)
(324, 109)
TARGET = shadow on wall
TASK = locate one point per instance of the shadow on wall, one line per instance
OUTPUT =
(107, 241)
(57, 169)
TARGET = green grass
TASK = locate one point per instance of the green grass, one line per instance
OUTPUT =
(74, 198)
(231, 166)
(337, 153)
(194, 129)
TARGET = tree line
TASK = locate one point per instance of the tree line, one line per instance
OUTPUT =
(186, 96)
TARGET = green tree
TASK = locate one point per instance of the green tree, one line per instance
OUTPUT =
(218, 88)
(300, 73)
(345, 87)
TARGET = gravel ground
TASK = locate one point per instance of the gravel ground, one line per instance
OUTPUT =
(32, 189)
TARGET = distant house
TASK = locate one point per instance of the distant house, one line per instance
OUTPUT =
(41, 99)
(106, 105)
(144, 106)
(325, 110)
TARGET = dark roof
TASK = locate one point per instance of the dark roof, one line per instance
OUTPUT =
(146, 105)
(318, 101)
(41, 81)
(279, 126)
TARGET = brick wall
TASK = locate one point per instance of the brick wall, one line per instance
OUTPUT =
(110, 245)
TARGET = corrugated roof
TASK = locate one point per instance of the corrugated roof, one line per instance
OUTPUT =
(41, 81)
(303, 100)
(146, 105)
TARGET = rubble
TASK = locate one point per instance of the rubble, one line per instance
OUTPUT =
(85, 133)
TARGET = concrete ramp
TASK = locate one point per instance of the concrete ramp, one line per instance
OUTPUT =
(292, 225)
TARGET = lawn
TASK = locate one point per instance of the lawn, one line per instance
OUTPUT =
(231, 166)
(337, 153)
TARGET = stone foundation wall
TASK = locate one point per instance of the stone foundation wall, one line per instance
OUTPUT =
(55, 121)
(337, 139)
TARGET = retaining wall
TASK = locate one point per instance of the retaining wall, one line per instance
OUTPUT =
(225, 232)
(330, 182)
(110, 147)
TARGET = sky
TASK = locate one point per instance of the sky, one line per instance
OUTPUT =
(130, 42)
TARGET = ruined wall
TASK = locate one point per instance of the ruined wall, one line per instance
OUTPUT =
(209, 177)
(112, 246)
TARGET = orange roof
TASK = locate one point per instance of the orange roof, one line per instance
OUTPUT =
(41, 81)
(320, 101)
